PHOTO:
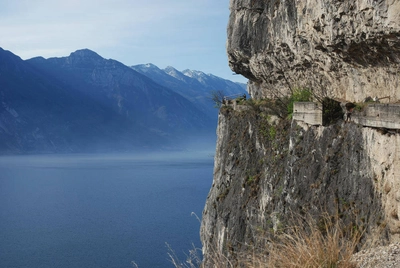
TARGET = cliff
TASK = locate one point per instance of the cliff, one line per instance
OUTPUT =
(269, 169)
(348, 49)
(266, 170)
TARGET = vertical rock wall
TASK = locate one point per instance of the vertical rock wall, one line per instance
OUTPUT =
(267, 170)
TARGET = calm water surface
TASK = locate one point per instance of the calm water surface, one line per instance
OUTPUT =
(100, 210)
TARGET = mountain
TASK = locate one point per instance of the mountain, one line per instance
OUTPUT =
(36, 113)
(127, 91)
(193, 85)
(85, 103)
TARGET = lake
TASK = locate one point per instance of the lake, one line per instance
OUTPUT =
(101, 210)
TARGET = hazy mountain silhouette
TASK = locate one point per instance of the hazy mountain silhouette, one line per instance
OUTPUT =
(85, 103)
(196, 86)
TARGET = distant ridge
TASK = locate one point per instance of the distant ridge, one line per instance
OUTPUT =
(193, 85)
(85, 103)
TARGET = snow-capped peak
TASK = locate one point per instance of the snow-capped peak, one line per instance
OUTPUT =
(174, 72)
(198, 75)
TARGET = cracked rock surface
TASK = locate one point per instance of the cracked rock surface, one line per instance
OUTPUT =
(344, 49)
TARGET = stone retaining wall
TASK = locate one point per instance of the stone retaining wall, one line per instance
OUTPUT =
(308, 112)
(373, 115)
(379, 115)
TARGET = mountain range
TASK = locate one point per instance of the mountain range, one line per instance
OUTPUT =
(193, 85)
(85, 103)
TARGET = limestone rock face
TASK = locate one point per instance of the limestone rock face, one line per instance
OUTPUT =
(345, 49)
(266, 170)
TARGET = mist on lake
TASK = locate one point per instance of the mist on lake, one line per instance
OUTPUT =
(101, 210)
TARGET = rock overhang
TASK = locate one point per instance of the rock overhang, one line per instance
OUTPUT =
(348, 49)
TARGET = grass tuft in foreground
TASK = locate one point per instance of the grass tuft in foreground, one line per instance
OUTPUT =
(309, 245)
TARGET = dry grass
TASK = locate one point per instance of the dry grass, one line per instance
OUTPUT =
(309, 245)
(193, 259)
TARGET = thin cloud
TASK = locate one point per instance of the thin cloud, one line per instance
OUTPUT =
(163, 32)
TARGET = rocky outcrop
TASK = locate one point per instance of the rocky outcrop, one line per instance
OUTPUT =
(343, 49)
(267, 170)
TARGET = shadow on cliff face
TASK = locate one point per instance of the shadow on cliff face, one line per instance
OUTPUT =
(330, 171)
(350, 50)
(266, 170)
(382, 52)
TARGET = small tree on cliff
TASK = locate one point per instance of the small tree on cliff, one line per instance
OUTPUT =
(217, 96)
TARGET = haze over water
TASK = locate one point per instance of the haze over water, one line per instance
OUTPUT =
(100, 210)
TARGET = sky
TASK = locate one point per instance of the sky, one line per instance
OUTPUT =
(185, 34)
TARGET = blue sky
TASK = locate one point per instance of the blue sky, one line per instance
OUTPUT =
(185, 34)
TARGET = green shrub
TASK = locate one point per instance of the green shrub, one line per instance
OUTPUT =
(332, 111)
(272, 133)
(360, 106)
(300, 94)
